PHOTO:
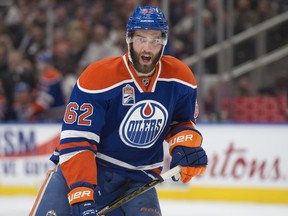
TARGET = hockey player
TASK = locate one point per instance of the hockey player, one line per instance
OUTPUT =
(119, 114)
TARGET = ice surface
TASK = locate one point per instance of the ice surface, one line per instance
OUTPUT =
(20, 206)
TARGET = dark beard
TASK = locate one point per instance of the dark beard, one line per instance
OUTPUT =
(143, 68)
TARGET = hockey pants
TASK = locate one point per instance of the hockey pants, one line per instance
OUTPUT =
(53, 196)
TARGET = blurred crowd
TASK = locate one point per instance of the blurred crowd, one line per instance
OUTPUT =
(46, 44)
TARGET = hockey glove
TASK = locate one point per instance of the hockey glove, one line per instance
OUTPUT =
(87, 208)
(186, 151)
(81, 199)
(193, 162)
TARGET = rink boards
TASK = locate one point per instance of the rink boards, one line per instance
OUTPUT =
(247, 162)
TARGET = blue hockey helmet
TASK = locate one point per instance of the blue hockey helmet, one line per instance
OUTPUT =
(147, 18)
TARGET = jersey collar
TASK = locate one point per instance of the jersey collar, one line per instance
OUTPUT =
(139, 80)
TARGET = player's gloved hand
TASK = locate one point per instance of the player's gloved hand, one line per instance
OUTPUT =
(186, 151)
(193, 162)
(86, 208)
(81, 198)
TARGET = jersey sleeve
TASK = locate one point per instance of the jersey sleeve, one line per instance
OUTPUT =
(185, 114)
(85, 116)
(186, 109)
(81, 129)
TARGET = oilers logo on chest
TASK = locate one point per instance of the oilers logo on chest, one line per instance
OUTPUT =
(143, 124)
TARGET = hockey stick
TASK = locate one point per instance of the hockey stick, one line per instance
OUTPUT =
(126, 198)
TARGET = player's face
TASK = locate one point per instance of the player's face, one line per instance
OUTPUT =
(146, 49)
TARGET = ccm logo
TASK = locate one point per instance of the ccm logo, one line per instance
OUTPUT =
(179, 139)
(78, 195)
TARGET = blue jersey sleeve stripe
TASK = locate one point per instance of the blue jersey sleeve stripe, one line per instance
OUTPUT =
(77, 140)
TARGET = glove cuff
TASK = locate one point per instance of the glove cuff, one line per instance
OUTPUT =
(80, 194)
(190, 138)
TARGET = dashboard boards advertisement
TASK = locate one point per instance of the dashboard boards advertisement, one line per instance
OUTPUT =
(246, 162)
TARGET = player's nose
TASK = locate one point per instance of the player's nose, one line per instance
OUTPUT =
(147, 46)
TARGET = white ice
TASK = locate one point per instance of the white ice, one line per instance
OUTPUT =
(20, 206)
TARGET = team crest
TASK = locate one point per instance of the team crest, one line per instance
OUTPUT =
(128, 95)
(143, 124)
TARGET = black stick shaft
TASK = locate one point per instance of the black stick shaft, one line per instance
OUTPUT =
(126, 198)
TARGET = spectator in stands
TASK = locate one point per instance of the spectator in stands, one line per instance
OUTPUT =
(61, 55)
(281, 5)
(210, 105)
(116, 28)
(99, 47)
(40, 16)
(82, 16)
(5, 111)
(14, 69)
(176, 13)
(245, 16)
(97, 14)
(22, 104)
(5, 97)
(33, 41)
(23, 27)
(70, 51)
(245, 86)
(264, 10)
(209, 29)
(3, 60)
(13, 22)
(50, 100)
(77, 43)
(61, 18)
(6, 40)
(19, 69)
(187, 21)
(120, 43)
(281, 92)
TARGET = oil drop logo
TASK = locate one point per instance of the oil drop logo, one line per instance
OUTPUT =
(143, 124)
